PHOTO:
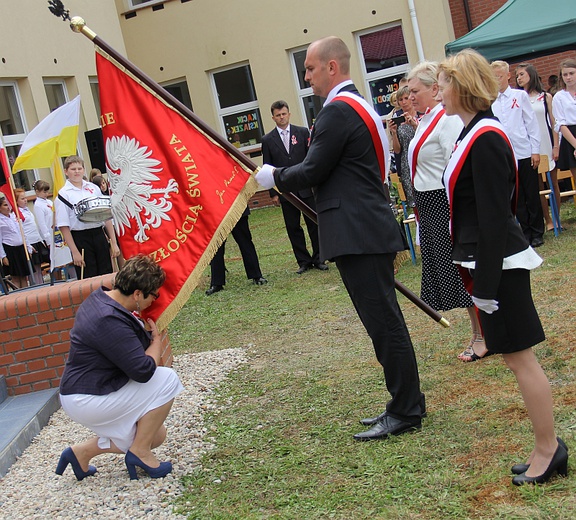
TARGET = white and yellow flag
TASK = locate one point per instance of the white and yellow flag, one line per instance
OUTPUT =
(55, 136)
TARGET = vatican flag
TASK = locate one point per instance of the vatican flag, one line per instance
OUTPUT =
(55, 136)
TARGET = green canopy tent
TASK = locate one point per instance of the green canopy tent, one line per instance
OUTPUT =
(523, 29)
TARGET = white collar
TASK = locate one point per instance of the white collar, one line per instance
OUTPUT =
(332, 94)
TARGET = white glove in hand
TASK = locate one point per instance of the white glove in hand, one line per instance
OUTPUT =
(488, 306)
(265, 177)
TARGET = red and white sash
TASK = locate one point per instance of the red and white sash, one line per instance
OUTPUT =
(375, 126)
(461, 151)
(413, 151)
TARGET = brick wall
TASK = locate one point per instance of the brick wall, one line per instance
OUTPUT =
(35, 332)
(480, 10)
(260, 199)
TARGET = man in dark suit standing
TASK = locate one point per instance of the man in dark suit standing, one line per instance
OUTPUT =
(287, 145)
(240, 233)
(347, 158)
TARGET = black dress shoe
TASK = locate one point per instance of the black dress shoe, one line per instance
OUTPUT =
(386, 427)
(260, 281)
(369, 421)
(303, 269)
(518, 469)
(321, 267)
(558, 464)
(213, 289)
(536, 242)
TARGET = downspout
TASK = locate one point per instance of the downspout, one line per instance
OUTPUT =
(416, 30)
(468, 17)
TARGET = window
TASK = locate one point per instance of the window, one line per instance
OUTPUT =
(95, 94)
(14, 130)
(385, 63)
(238, 106)
(309, 103)
(179, 90)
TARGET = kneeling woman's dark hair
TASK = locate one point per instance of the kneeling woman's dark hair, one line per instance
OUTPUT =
(142, 273)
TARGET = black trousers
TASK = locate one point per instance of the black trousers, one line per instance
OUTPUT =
(96, 252)
(243, 237)
(295, 232)
(369, 280)
(529, 210)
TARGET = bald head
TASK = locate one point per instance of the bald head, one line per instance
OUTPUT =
(333, 48)
(327, 64)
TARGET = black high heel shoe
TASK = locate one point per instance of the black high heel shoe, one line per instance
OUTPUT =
(132, 461)
(518, 469)
(68, 457)
(558, 464)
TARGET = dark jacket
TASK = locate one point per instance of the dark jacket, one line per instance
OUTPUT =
(107, 348)
(484, 227)
(274, 152)
(354, 216)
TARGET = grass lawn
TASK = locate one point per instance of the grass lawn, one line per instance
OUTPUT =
(283, 435)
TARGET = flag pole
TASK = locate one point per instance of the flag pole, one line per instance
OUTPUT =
(78, 25)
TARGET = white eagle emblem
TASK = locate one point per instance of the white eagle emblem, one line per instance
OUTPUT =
(131, 172)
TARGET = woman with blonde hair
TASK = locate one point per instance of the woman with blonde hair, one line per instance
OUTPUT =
(428, 155)
(493, 254)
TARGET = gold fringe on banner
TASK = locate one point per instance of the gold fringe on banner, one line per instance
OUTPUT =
(224, 229)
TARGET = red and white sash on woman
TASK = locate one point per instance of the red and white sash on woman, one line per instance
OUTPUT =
(413, 151)
(375, 126)
(462, 149)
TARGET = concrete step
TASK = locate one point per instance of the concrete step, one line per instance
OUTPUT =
(21, 419)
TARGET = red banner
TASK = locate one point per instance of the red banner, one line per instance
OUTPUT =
(176, 194)
(5, 182)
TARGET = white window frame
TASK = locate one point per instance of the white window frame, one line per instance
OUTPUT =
(399, 70)
(244, 107)
(17, 139)
(302, 92)
(133, 7)
(93, 80)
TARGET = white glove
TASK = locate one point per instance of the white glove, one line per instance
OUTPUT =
(488, 306)
(265, 176)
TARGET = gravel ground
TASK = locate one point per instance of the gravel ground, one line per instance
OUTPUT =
(31, 489)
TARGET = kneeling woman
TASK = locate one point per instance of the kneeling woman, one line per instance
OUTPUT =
(112, 383)
(480, 181)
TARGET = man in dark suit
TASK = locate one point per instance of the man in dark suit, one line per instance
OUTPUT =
(345, 164)
(240, 233)
(287, 145)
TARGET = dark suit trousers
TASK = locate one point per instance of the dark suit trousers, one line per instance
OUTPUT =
(529, 210)
(296, 234)
(369, 280)
(94, 243)
(243, 237)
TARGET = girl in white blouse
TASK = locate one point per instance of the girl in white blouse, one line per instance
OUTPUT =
(564, 107)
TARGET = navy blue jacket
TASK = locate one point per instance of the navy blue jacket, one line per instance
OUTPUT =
(107, 348)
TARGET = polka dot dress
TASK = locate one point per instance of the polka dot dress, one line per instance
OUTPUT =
(442, 287)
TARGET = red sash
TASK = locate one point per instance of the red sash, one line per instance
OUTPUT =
(356, 104)
(422, 140)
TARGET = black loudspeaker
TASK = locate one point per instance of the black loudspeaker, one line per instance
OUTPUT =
(95, 144)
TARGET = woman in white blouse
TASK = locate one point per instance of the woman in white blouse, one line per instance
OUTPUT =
(429, 151)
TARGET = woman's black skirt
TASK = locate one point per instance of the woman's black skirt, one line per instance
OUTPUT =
(566, 159)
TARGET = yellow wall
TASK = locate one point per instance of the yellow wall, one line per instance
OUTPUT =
(35, 45)
(187, 40)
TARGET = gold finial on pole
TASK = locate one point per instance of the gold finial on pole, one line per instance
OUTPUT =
(78, 25)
